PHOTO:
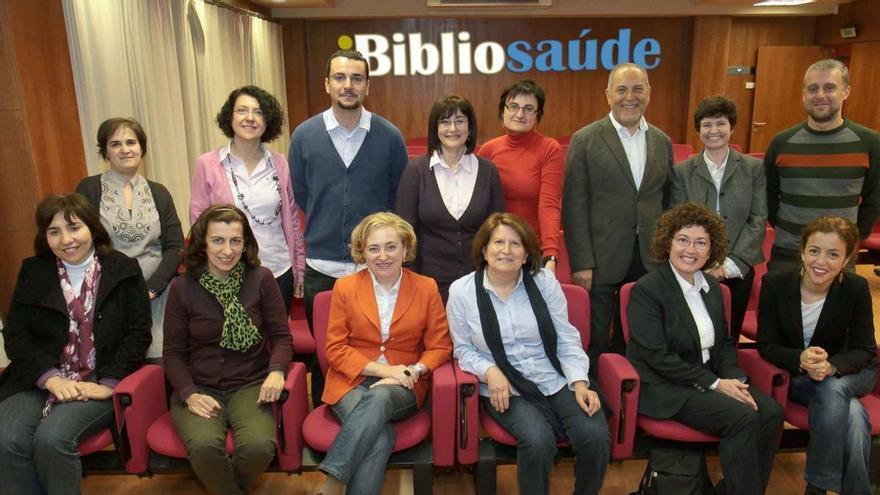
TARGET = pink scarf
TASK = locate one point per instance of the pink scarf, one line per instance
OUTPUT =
(78, 356)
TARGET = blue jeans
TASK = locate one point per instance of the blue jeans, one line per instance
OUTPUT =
(536, 443)
(40, 455)
(840, 431)
(362, 447)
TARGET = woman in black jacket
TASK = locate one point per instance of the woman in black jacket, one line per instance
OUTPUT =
(79, 322)
(819, 326)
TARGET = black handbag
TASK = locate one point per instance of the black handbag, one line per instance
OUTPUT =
(679, 470)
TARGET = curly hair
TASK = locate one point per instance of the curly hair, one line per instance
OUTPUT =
(71, 205)
(715, 107)
(524, 87)
(109, 127)
(690, 215)
(272, 112)
(195, 258)
(529, 239)
(377, 221)
(833, 224)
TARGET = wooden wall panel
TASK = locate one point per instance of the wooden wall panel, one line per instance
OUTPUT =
(864, 73)
(864, 14)
(708, 75)
(573, 98)
(296, 70)
(747, 34)
(48, 94)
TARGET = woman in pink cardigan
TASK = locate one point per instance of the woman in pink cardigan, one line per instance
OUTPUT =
(246, 173)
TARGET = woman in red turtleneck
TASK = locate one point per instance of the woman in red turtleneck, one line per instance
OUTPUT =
(531, 165)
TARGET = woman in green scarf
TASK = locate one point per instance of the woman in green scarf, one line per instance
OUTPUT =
(226, 349)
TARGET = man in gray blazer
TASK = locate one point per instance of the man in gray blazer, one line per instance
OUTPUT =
(616, 186)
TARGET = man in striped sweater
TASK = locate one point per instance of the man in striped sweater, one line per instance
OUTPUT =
(826, 165)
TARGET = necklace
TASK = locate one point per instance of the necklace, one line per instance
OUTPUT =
(240, 195)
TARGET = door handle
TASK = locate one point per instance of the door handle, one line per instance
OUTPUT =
(757, 125)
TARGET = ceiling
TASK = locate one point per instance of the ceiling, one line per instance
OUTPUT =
(329, 9)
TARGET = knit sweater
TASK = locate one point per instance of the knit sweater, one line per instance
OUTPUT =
(812, 173)
(531, 167)
(335, 198)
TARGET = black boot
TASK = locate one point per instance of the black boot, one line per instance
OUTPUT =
(813, 490)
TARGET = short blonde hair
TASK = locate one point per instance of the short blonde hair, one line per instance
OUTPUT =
(377, 221)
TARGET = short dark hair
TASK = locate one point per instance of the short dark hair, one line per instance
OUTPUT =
(349, 54)
(833, 224)
(715, 107)
(445, 107)
(690, 215)
(194, 256)
(530, 241)
(72, 205)
(273, 114)
(109, 127)
(524, 87)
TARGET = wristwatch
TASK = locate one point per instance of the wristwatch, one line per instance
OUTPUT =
(550, 258)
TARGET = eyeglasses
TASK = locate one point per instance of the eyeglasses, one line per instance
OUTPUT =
(684, 242)
(244, 112)
(356, 79)
(457, 122)
(514, 109)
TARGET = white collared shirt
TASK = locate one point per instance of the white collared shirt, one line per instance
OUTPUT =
(260, 191)
(698, 309)
(456, 186)
(386, 300)
(810, 318)
(635, 146)
(347, 143)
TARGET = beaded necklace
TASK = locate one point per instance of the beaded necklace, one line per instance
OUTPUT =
(240, 195)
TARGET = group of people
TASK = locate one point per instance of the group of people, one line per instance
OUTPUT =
(476, 230)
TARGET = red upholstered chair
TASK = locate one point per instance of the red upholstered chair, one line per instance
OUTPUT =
(750, 321)
(761, 374)
(155, 443)
(681, 152)
(411, 447)
(472, 416)
(736, 147)
(417, 141)
(413, 151)
(759, 156)
(872, 242)
(564, 140)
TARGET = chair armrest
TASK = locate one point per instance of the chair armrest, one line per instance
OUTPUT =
(763, 375)
(138, 400)
(290, 413)
(467, 417)
(443, 393)
(619, 382)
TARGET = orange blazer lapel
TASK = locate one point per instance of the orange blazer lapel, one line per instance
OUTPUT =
(405, 296)
(366, 298)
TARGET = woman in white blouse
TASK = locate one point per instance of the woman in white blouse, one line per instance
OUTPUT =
(244, 172)
(139, 214)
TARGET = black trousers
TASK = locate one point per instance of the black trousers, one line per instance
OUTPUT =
(313, 283)
(740, 290)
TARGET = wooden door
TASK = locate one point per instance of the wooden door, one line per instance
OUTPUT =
(779, 77)
(864, 73)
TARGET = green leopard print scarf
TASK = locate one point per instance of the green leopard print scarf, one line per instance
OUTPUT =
(239, 332)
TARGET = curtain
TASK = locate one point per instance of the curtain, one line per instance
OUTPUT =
(170, 64)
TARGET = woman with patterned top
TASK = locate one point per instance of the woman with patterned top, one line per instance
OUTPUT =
(246, 173)
(138, 214)
(227, 348)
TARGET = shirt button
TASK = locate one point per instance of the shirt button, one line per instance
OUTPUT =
(382, 348)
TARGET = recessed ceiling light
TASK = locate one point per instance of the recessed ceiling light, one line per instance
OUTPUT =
(768, 3)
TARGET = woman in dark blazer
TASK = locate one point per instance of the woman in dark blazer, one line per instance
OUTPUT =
(139, 214)
(733, 186)
(448, 193)
(680, 347)
(819, 325)
(79, 322)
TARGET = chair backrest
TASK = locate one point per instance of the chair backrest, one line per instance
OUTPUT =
(417, 141)
(320, 319)
(758, 155)
(626, 290)
(578, 301)
(564, 139)
(761, 268)
(681, 151)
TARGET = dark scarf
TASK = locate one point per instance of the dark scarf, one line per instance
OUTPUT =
(492, 334)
